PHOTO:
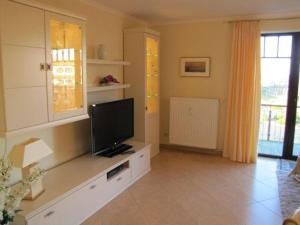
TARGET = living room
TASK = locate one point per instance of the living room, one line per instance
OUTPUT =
(144, 112)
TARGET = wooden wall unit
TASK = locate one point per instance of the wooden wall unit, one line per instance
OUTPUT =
(141, 48)
(28, 71)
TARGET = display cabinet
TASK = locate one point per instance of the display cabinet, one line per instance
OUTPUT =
(141, 48)
(42, 68)
(66, 66)
(152, 74)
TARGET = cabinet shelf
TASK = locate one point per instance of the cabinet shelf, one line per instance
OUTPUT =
(155, 75)
(108, 88)
(153, 95)
(107, 62)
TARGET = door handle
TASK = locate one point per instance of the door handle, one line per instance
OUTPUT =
(42, 66)
(48, 65)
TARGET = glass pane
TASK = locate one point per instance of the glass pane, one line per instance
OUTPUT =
(262, 46)
(285, 46)
(152, 75)
(274, 81)
(296, 147)
(66, 49)
(271, 44)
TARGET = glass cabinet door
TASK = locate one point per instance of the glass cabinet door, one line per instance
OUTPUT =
(66, 55)
(152, 73)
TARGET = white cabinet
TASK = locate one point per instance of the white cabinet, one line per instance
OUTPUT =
(75, 206)
(42, 72)
(22, 51)
(141, 48)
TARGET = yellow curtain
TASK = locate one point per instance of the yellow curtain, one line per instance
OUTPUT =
(243, 108)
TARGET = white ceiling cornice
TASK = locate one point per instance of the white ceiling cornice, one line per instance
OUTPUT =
(110, 10)
(269, 17)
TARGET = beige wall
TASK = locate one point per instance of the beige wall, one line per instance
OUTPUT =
(210, 39)
(270, 26)
(203, 39)
(71, 140)
(206, 39)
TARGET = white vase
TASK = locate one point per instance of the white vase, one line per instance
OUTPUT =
(100, 51)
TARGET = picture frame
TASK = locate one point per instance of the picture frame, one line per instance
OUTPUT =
(195, 67)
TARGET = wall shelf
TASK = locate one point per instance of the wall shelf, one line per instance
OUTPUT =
(108, 88)
(107, 62)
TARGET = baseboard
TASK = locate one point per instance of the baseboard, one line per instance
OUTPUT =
(191, 149)
(155, 154)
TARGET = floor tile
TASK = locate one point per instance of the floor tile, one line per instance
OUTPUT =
(273, 205)
(192, 189)
(257, 214)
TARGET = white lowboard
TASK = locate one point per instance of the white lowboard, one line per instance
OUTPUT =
(77, 189)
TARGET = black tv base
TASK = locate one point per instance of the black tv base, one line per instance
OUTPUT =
(115, 150)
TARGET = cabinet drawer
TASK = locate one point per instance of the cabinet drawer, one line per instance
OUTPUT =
(94, 198)
(140, 163)
(75, 208)
(117, 183)
(51, 216)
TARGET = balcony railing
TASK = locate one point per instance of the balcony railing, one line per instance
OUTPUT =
(272, 123)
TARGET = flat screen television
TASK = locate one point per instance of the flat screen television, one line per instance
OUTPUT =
(111, 124)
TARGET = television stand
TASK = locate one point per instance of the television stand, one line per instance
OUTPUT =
(116, 150)
(98, 181)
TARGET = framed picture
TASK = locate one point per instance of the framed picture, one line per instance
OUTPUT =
(195, 67)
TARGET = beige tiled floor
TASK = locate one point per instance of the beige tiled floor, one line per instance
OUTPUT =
(193, 189)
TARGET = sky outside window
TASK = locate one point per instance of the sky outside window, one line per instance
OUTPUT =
(275, 68)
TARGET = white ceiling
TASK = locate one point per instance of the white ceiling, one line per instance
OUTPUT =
(172, 11)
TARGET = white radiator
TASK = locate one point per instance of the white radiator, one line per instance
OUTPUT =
(194, 122)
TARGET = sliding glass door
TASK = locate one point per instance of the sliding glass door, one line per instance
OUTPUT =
(280, 118)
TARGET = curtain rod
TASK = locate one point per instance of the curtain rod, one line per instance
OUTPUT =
(266, 19)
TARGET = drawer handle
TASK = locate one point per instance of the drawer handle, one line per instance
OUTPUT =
(92, 187)
(49, 214)
(120, 178)
(141, 156)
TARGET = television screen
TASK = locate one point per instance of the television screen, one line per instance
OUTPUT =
(111, 124)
